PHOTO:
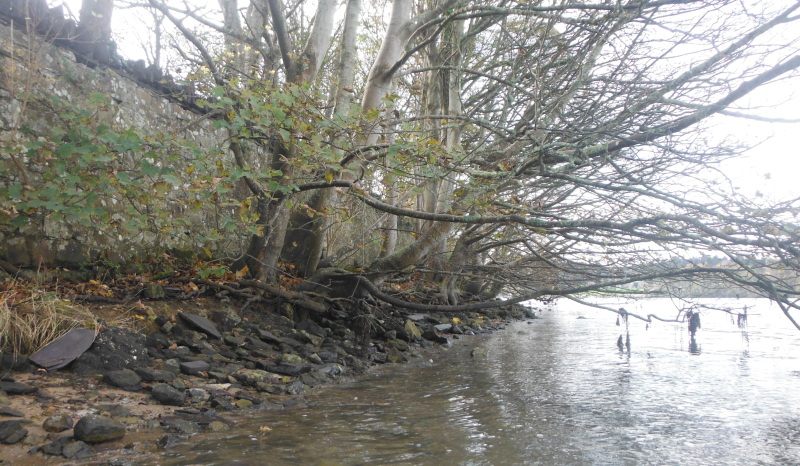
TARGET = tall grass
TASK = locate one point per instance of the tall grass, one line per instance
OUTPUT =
(30, 320)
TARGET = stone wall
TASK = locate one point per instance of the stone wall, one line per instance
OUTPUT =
(37, 82)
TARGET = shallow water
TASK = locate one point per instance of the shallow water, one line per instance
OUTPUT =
(555, 390)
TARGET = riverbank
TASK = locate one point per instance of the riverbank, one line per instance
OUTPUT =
(190, 367)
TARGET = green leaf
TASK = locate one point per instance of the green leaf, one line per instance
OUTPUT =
(15, 191)
(19, 221)
(171, 179)
(148, 168)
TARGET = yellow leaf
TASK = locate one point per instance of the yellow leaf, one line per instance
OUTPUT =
(243, 272)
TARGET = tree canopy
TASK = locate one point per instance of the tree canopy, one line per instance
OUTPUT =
(488, 147)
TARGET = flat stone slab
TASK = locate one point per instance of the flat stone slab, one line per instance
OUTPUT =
(16, 388)
(6, 411)
(194, 367)
(201, 323)
(64, 349)
(292, 369)
(268, 336)
(417, 317)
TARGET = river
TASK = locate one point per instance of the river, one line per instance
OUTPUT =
(554, 390)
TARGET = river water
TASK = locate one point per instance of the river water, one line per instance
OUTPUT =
(555, 390)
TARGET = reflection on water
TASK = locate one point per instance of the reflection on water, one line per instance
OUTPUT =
(556, 390)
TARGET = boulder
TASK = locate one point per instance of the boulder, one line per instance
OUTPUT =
(77, 451)
(58, 423)
(431, 335)
(292, 369)
(413, 331)
(12, 431)
(478, 353)
(269, 337)
(168, 395)
(114, 348)
(16, 388)
(96, 429)
(252, 377)
(201, 324)
(125, 379)
(154, 375)
(13, 362)
(6, 411)
(310, 338)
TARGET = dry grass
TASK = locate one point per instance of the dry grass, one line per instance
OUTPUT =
(30, 319)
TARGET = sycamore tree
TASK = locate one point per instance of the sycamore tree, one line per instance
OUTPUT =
(488, 146)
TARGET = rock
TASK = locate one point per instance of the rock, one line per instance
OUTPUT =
(227, 319)
(393, 355)
(13, 362)
(77, 451)
(223, 403)
(431, 335)
(252, 377)
(12, 431)
(58, 423)
(181, 426)
(309, 338)
(444, 328)
(125, 379)
(114, 410)
(295, 388)
(157, 340)
(478, 353)
(154, 291)
(114, 348)
(314, 378)
(269, 337)
(400, 345)
(6, 411)
(311, 327)
(17, 388)
(418, 317)
(332, 370)
(413, 331)
(96, 429)
(194, 367)
(171, 441)
(168, 395)
(64, 349)
(53, 448)
(243, 404)
(292, 369)
(327, 356)
(173, 365)
(198, 394)
(200, 323)
(154, 375)
(234, 341)
(242, 395)
(217, 426)
(289, 358)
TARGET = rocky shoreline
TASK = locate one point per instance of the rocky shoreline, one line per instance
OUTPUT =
(189, 371)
